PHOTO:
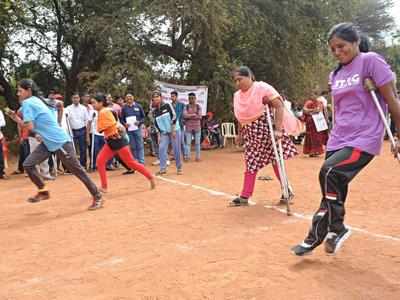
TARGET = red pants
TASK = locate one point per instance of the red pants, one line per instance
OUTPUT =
(126, 156)
(250, 181)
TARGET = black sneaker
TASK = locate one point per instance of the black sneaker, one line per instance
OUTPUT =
(161, 172)
(128, 172)
(335, 241)
(239, 201)
(40, 196)
(302, 249)
(97, 202)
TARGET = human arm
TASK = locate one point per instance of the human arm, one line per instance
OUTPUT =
(198, 114)
(186, 114)
(309, 109)
(277, 104)
(60, 111)
(393, 103)
(142, 116)
(20, 122)
(123, 116)
(173, 118)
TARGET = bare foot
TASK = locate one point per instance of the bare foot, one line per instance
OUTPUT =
(152, 184)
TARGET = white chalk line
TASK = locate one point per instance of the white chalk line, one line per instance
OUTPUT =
(283, 211)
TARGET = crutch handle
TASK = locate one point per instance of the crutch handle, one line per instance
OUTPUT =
(369, 85)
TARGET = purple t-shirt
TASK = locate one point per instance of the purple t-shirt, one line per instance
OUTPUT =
(357, 120)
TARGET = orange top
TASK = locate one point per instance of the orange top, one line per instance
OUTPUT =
(106, 123)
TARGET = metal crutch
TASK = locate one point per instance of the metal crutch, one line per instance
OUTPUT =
(370, 86)
(280, 163)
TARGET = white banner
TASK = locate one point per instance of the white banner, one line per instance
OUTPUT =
(320, 122)
(201, 92)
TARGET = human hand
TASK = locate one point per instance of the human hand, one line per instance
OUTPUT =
(278, 134)
(9, 112)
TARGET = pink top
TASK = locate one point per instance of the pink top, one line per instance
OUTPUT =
(248, 105)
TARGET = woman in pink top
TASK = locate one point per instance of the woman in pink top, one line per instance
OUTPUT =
(356, 137)
(249, 106)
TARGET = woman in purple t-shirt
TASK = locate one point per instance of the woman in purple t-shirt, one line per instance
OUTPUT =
(357, 135)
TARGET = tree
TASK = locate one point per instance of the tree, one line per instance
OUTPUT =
(75, 34)
(9, 14)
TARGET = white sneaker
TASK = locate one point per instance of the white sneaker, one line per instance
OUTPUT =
(156, 163)
(168, 162)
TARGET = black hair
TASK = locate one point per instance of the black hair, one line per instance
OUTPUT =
(344, 31)
(76, 94)
(100, 97)
(30, 84)
(244, 71)
(364, 43)
(174, 93)
(192, 94)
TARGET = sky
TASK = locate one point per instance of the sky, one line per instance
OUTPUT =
(396, 12)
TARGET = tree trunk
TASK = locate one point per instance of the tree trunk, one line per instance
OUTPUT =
(8, 93)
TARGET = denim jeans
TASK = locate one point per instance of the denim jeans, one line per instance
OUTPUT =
(183, 144)
(188, 138)
(137, 145)
(80, 139)
(165, 140)
(154, 143)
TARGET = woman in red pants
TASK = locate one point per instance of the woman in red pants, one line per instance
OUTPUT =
(116, 143)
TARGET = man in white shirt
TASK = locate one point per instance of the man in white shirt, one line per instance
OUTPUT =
(78, 119)
(2, 124)
(86, 102)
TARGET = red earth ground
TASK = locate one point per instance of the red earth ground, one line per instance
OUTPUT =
(183, 242)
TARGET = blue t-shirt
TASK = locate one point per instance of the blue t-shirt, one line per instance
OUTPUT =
(44, 123)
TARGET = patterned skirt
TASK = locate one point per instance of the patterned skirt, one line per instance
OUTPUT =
(258, 145)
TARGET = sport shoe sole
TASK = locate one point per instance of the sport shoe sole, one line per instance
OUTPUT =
(300, 251)
(332, 251)
(39, 197)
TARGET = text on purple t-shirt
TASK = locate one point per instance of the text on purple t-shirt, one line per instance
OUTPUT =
(357, 120)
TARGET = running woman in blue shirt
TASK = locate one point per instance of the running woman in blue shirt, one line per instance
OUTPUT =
(42, 123)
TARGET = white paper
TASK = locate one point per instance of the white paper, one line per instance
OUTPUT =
(131, 121)
(320, 122)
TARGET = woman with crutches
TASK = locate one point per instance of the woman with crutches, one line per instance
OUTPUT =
(356, 137)
(252, 103)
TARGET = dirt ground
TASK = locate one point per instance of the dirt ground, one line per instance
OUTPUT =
(181, 241)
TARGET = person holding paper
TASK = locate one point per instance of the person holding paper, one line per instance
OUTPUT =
(166, 124)
(132, 117)
(316, 133)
